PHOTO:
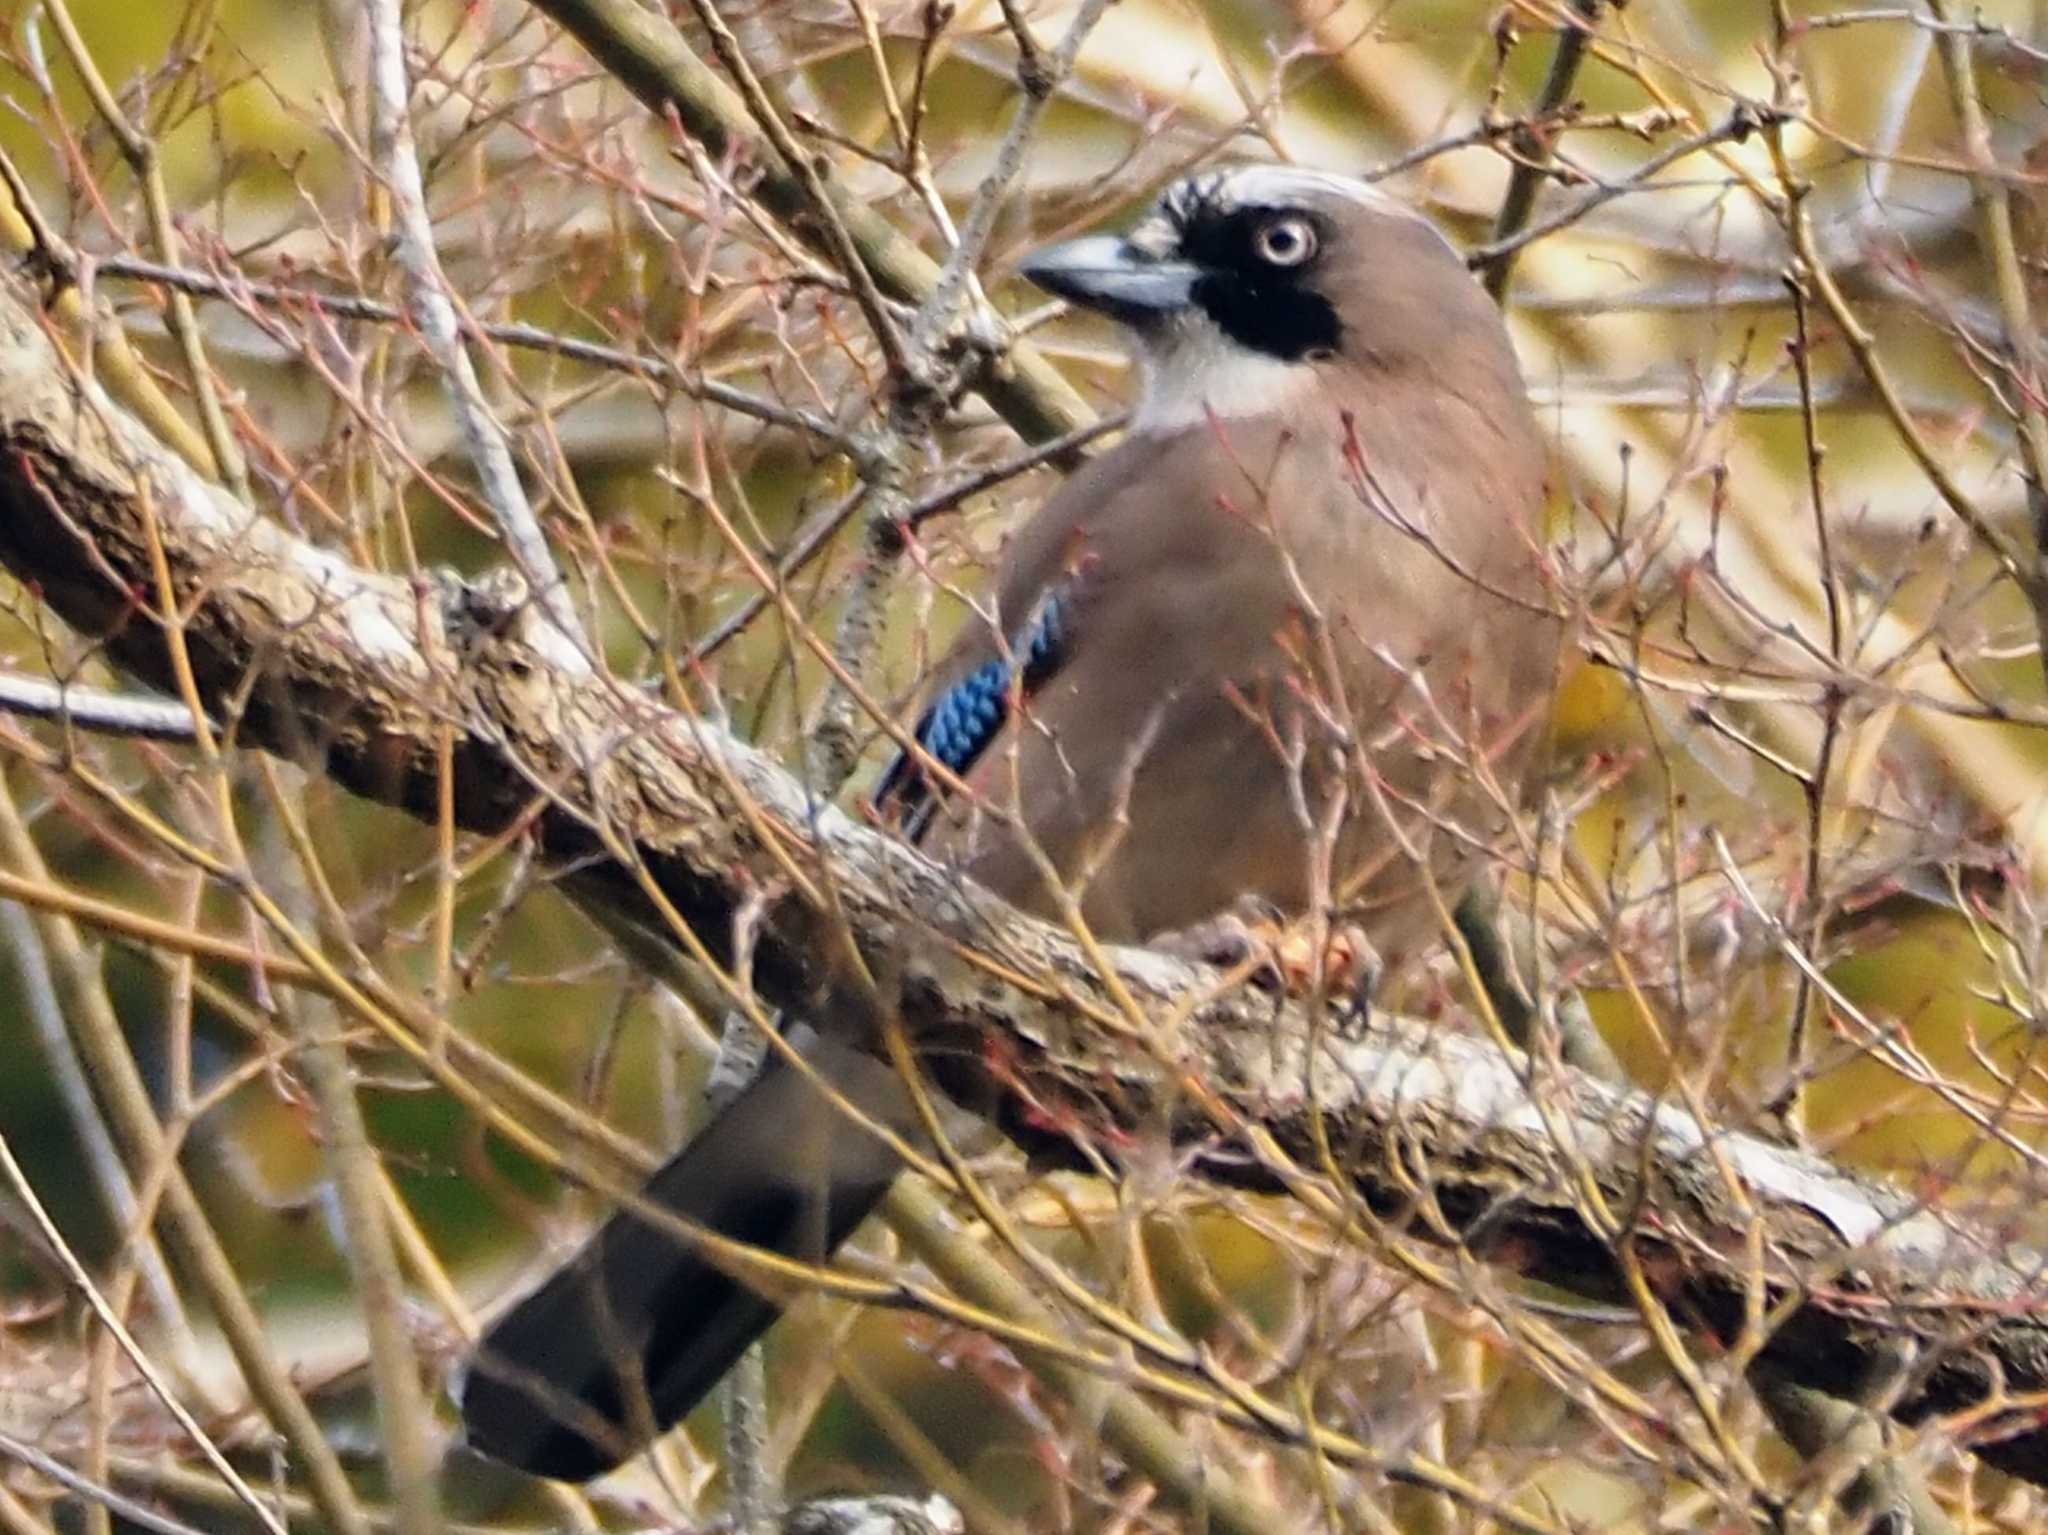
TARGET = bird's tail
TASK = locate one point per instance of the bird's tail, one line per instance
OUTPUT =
(620, 1343)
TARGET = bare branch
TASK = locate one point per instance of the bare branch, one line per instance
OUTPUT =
(1532, 150)
(121, 714)
(652, 59)
(433, 310)
(353, 306)
(671, 817)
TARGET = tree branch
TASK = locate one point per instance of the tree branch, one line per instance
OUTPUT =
(1448, 1138)
(651, 58)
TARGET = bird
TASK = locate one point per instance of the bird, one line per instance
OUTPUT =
(1280, 651)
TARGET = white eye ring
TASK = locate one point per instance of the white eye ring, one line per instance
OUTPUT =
(1285, 241)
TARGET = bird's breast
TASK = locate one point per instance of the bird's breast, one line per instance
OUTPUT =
(1274, 683)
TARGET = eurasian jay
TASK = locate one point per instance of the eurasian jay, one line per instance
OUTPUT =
(1282, 645)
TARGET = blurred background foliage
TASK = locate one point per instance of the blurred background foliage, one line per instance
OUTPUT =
(1656, 331)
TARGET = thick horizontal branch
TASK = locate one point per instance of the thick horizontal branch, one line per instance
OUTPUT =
(302, 653)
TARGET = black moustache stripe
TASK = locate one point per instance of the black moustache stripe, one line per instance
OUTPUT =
(1280, 319)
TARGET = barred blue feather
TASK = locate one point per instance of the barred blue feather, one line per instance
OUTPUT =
(958, 725)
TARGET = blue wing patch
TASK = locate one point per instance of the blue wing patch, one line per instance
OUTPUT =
(958, 725)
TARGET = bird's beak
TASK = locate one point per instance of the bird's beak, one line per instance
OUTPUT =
(1110, 274)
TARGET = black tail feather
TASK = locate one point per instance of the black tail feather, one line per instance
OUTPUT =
(634, 1331)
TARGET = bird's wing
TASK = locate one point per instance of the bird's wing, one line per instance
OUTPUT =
(1050, 581)
(964, 717)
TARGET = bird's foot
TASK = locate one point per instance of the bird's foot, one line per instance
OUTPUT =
(1283, 955)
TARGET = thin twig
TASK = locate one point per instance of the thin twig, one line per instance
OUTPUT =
(947, 497)
(433, 311)
(821, 212)
(1737, 126)
(1645, 124)
(194, 1246)
(753, 1486)
(1976, 30)
(651, 58)
(920, 391)
(1790, 1102)
(406, 1431)
(1534, 148)
(137, 1356)
(1994, 227)
(1811, 266)
(1039, 79)
(533, 338)
(96, 709)
(817, 534)
(25, 232)
(103, 1159)
(84, 1487)
(140, 151)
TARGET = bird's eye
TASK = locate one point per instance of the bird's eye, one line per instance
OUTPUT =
(1287, 241)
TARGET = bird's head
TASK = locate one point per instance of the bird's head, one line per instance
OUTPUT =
(1245, 286)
